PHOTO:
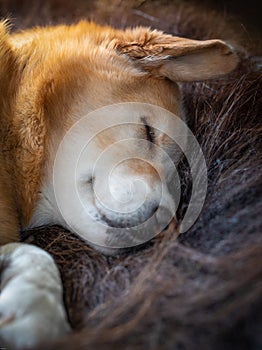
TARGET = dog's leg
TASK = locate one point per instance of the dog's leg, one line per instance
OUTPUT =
(31, 302)
(9, 226)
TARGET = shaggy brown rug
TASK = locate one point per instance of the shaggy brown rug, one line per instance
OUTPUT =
(203, 290)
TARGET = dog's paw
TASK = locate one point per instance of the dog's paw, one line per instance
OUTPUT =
(31, 303)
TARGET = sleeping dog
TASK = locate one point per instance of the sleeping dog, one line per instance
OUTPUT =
(84, 112)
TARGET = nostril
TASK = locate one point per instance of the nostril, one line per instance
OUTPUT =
(90, 181)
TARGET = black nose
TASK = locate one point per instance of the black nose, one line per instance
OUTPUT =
(128, 220)
(161, 223)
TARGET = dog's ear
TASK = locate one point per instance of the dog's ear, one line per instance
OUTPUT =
(176, 58)
(7, 58)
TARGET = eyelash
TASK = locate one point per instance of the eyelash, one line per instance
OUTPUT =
(150, 135)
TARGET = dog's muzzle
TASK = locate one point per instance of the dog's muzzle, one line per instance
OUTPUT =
(135, 205)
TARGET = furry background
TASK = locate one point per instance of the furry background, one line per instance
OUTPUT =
(202, 291)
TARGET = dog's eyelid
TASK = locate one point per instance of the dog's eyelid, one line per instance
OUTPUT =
(150, 134)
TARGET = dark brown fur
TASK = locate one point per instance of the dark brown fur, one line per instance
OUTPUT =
(204, 290)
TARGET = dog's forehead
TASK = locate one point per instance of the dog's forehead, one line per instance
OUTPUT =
(73, 74)
(85, 87)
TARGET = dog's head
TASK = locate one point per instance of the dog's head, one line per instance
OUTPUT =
(54, 78)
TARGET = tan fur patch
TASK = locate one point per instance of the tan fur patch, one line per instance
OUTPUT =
(47, 73)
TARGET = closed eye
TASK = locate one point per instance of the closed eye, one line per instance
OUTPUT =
(150, 134)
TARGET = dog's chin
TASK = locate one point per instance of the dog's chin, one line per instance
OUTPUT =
(110, 240)
(126, 238)
(119, 242)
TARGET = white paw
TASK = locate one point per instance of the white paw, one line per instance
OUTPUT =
(31, 303)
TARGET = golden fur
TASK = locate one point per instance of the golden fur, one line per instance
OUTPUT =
(44, 72)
